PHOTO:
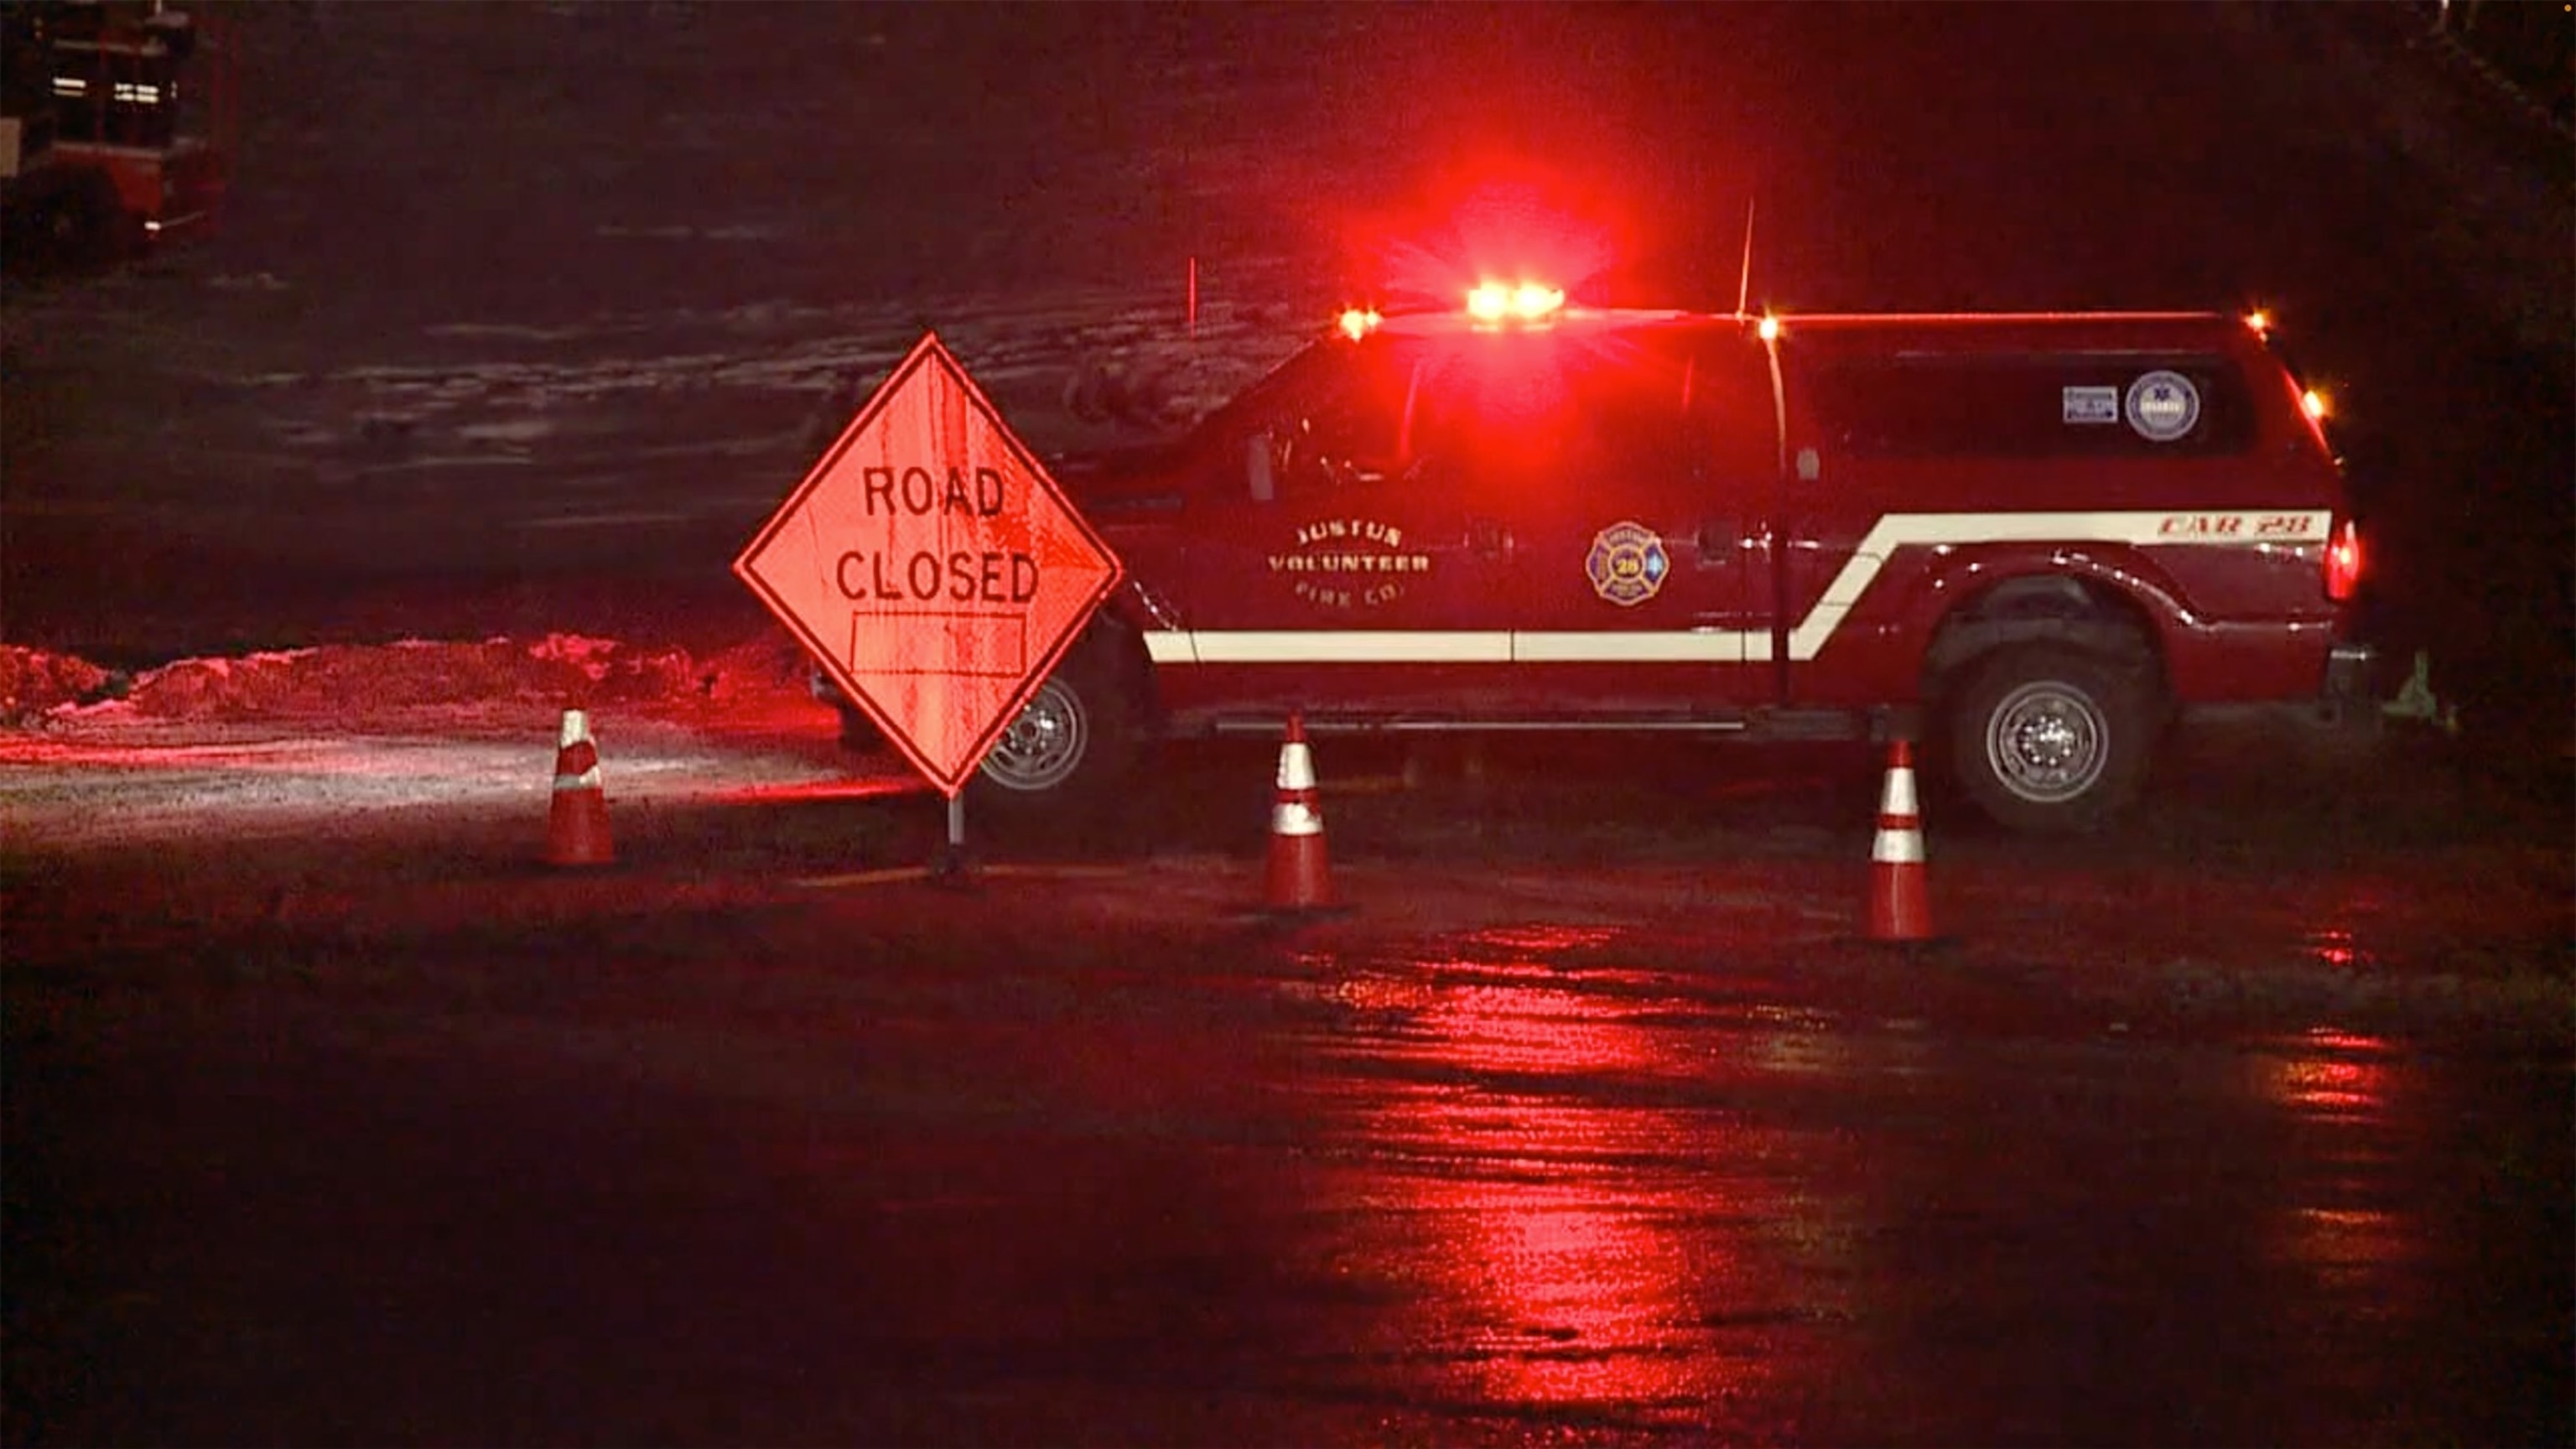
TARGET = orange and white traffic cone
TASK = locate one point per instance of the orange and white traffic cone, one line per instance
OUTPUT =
(1297, 876)
(577, 822)
(1900, 905)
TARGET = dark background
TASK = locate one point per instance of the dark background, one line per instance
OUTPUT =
(525, 315)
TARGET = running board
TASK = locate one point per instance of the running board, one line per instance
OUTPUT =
(1361, 725)
(1768, 725)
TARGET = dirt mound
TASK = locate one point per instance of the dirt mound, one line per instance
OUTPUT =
(33, 681)
(341, 681)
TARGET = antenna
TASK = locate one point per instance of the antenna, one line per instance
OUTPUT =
(1744, 283)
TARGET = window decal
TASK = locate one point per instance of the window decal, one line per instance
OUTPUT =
(2163, 406)
(2089, 405)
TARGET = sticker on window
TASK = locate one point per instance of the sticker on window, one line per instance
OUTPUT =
(2162, 406)
(2090, 404)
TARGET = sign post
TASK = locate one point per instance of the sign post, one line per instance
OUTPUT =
(934, 569)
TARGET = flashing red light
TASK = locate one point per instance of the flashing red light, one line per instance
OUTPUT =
(2343, 562)
(1358, 322)
(1522, 302)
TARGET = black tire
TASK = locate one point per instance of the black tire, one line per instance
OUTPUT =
(1078, 740)
(2052, 740)
(859, 733)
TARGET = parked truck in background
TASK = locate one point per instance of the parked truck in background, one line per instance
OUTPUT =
(115, 130)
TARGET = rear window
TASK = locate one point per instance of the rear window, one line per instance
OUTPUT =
(2080, 406)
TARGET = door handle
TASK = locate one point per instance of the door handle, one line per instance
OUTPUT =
(1720, 539)
(1488, 537)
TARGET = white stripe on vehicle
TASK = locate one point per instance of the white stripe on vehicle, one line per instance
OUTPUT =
(1340, 646)
(1638, 646)
(2233, 528)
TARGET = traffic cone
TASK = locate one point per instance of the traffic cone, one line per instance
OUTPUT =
(577, 822)
(1900, 906)
(1297, 876)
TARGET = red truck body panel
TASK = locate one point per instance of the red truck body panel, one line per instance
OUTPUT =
(1649, 514)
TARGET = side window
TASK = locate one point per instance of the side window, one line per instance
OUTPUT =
(1356, 432)
(1555, 418)
(1692, 410)
(2126, 405)
(1494, 409)
(1734, 415)
(1636, 420)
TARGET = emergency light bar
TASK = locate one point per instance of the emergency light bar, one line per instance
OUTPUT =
(1526, 302)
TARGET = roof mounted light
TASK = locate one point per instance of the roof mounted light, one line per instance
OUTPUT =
(1520, 302)
(1358, 322)
(2260, 321)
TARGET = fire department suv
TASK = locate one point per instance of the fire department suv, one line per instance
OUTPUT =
(2036, 539)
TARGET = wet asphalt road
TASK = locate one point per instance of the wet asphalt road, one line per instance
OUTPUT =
(384, 1136)
(376, 1138)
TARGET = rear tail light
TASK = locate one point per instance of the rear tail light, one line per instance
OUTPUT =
(2343, 562)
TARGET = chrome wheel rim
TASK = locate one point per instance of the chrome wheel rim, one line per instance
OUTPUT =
(1042, 748)
(2047, 743)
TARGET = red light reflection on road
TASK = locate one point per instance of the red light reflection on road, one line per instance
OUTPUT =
(2346, 1086)
(1570, 1227)
(2337, 1075)
(2335, 946)
(2340, 937)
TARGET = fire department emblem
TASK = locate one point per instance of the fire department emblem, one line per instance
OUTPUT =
(1627, 563)
(2162, 406)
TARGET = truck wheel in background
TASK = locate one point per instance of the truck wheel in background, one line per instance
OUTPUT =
(2049, 739)
(1076, 742)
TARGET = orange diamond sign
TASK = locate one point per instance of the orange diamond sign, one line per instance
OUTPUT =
(932, 566)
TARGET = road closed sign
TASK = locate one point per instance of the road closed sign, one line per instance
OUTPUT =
(932, 566)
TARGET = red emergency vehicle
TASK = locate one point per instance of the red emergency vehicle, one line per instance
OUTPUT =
(103, 150)
(2034, 539)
